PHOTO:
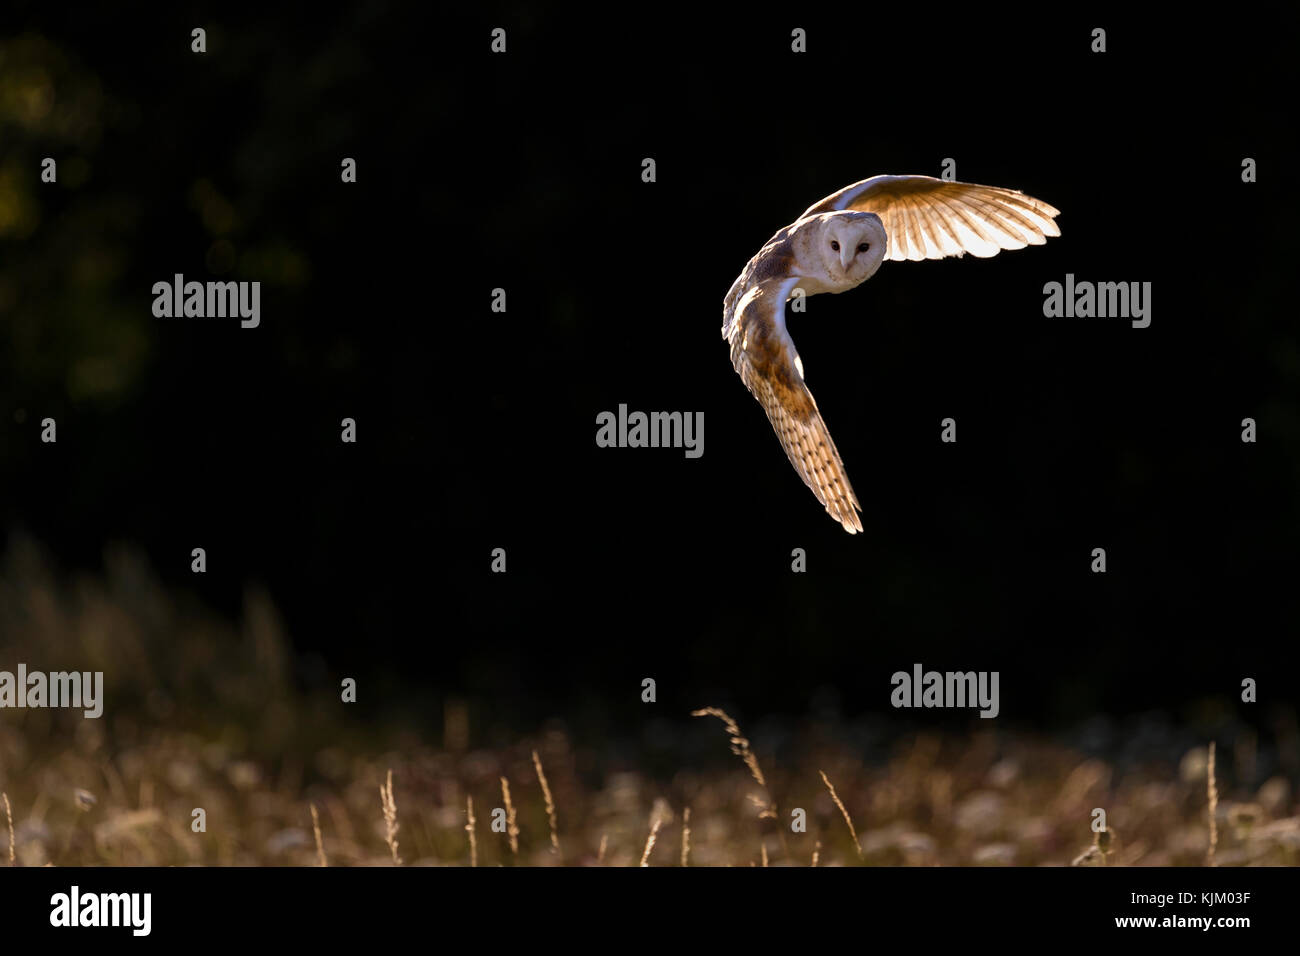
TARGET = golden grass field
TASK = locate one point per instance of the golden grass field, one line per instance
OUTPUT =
(284, 779)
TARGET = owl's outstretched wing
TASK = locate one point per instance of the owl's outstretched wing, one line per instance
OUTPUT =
(764, 356)
(928, 218)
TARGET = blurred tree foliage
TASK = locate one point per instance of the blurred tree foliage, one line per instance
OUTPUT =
(70, 331)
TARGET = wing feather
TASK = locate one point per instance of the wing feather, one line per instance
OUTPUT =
(928, 218)
(765, 358)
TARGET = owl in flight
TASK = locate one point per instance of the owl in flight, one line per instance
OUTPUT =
(838, 244)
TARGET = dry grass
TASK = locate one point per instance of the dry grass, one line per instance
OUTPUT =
(9, 818)
(512, 825)
(766, 803)
(550, 803)
(320, 843)
(191, 726)
(1212, 797)
(469, 828)
(853, 831)
(740, 747)
(686, 837)
(656, 821)
(390, 817)
(1038, 816)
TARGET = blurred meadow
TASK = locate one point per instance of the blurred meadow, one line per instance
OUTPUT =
(202, 714)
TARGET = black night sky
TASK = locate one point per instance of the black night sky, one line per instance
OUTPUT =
(476, 429)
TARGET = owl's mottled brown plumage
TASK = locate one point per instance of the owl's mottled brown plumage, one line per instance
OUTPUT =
(837, 244)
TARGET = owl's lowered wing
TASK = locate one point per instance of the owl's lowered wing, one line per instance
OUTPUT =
(764, 356)
(928, 218)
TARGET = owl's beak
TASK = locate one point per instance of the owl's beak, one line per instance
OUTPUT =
(846, 255)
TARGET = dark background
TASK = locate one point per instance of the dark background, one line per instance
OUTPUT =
(476, 430)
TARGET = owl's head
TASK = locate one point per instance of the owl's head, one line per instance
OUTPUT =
(852, 245)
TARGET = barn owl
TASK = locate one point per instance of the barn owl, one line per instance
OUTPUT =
(837, 244)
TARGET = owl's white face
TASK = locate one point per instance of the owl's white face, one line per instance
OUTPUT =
(852, 246)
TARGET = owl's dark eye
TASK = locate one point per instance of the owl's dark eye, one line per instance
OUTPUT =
(863, 246)
(835, 244)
